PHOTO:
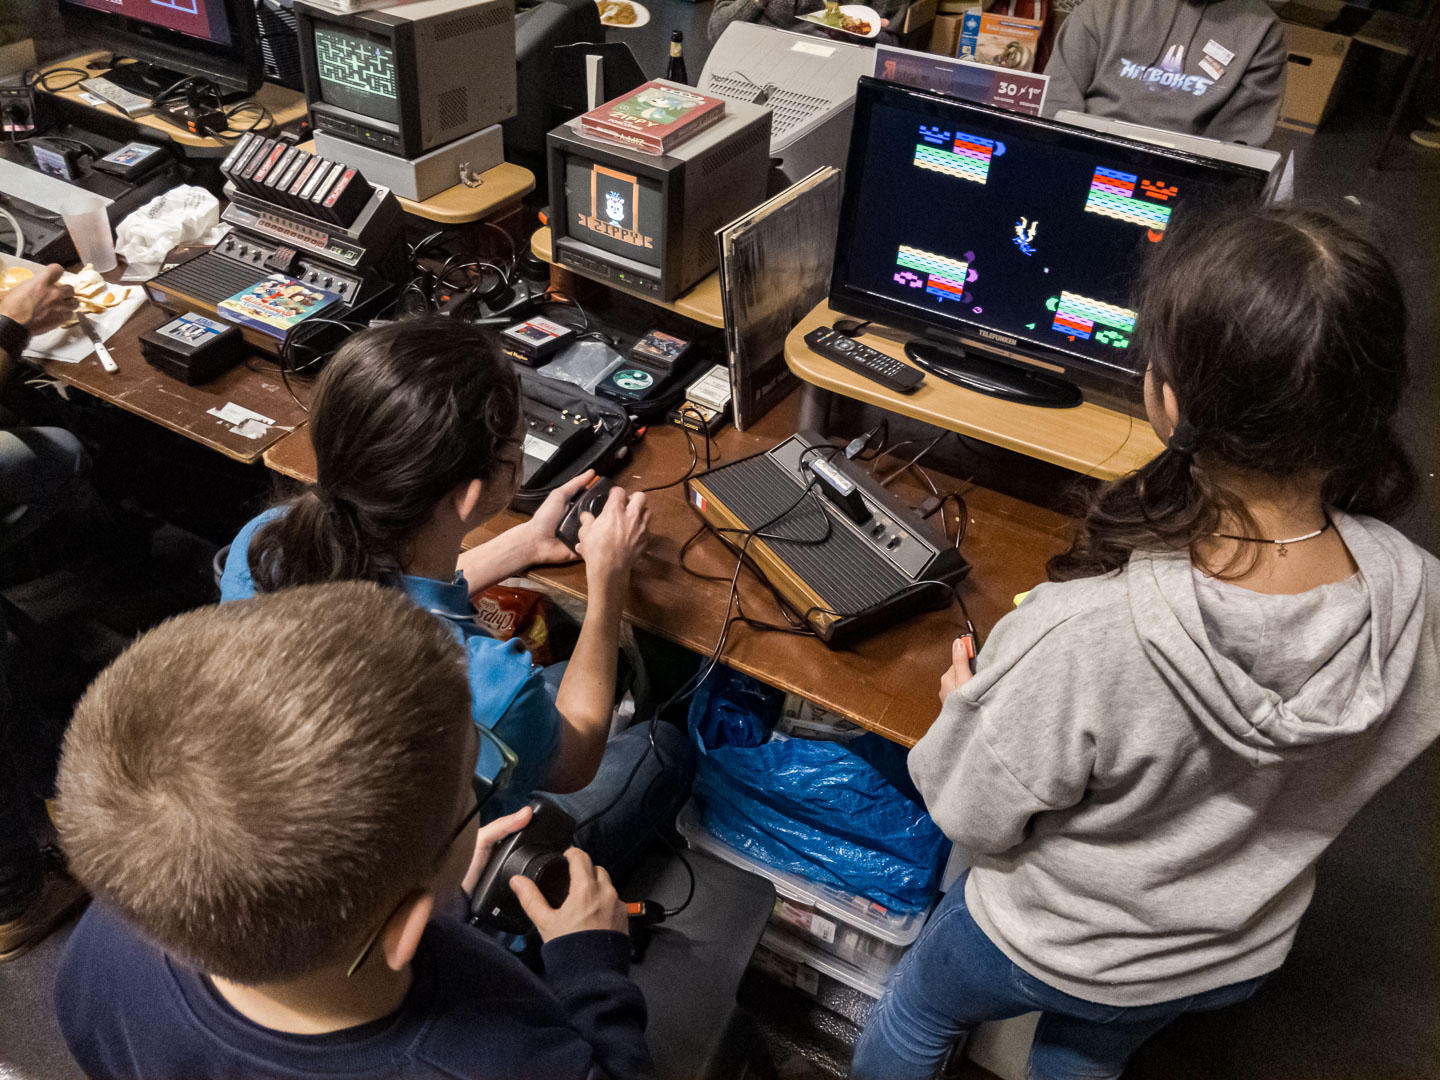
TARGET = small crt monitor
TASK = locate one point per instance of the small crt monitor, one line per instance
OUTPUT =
(1008, 235)
(645, 223)
(409, 78)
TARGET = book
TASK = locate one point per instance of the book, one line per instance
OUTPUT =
(774, 268)
(655, 118)
(277, 305)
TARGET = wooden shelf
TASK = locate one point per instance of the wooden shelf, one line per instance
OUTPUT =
(286, 106)
(702, 303)
(461, 205)
(1090, 439)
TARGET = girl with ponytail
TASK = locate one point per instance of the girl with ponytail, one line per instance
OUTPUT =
(1233, 656)
(417, 433)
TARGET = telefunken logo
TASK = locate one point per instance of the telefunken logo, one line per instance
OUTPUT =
(1170, 80)
(992, 336)
(628, 236)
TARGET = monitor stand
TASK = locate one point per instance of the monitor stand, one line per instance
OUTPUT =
(148, 79)
(986, 373)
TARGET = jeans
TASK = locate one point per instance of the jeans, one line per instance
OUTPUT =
(954, 977)
(618, 837)
(40, 473)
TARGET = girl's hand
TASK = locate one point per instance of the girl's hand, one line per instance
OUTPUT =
(959, 673)
(544, 545)
(612, 542)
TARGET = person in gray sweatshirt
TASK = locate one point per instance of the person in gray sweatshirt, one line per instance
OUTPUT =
(1199, 67)
(1234, 655)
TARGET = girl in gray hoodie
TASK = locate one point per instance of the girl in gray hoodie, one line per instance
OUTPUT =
(1233, 657)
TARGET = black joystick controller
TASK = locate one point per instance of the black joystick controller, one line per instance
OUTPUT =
(588, 500)
(536, 852)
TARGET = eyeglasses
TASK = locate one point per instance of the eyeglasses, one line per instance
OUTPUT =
(485, 789)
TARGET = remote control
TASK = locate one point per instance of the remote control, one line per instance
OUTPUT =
(872, 363)
(128, 103)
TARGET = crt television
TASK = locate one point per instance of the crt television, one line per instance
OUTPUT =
(412, 77)
(1009, 237)
(212, 39)
(645, 223)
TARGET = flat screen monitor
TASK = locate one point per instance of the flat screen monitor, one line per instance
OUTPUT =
(1008, 233)
(214, 39)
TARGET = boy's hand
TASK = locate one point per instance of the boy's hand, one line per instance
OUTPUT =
(959, 674)
(611, 542)
(41, 303)
(592, 904)
(545, 546)
(485, 841)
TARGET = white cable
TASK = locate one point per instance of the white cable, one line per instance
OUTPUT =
(19, 232)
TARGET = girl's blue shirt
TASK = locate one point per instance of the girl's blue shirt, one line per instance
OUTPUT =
(507, 691)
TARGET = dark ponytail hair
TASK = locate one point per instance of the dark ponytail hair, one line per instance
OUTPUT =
(402, 415)
(1282, 334)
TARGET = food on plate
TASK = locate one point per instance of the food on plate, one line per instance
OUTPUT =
(836, 19)
(617, 12)
(93, 294)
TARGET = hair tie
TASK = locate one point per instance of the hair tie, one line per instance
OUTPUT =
(332, 504)
(1183, 439)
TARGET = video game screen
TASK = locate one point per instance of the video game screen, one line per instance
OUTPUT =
(1001, 226)
(614, 210)
(356, 73)
(198, 18)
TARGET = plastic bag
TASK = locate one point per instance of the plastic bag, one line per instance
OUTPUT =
(183, 215)
(845, 815)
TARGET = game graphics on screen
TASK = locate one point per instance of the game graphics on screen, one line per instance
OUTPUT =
(191, 17)
(1033, 240)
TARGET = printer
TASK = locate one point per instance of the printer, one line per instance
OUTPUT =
(808, 83)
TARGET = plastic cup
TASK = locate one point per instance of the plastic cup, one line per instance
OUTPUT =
(89, 229)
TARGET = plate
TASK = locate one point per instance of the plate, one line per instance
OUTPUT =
(855, 11)
(642, 14)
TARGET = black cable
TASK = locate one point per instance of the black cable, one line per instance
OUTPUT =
(694, 682)
(690, 410)
(33, 78)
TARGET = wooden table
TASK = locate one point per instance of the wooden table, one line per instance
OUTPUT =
(887, 682)
(137, 387)
(285, 105)
(702, 303)
(1090, 439)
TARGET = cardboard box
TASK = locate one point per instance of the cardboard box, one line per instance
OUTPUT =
(914, 32)
(945, 34)
(1318, 34)
(1000, 40)
(918, 16)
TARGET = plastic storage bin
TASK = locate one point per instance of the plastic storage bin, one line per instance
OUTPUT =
(853, 930)
(795, 963)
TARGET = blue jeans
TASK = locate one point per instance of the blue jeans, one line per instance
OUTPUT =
(618, 837)
(40, 473)
(954, 978)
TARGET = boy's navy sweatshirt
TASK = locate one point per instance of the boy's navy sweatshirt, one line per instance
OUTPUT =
(474, 1011)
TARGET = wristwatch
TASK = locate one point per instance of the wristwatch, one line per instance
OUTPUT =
(14, 336)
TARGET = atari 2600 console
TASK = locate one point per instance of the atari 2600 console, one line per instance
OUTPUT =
(311, 219)
(840, 549)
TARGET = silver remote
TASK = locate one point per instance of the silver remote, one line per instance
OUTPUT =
(128, 103)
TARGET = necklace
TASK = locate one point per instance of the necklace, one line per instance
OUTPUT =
(1279, 544)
